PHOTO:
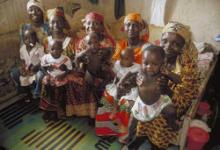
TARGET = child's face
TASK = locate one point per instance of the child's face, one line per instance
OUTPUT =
(56, 49)
(151, 63)
(92, 41)
(30, 38)
(127, 58)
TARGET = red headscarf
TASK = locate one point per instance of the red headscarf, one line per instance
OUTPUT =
(95, 16)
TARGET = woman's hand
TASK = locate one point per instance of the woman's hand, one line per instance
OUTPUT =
(162, 84)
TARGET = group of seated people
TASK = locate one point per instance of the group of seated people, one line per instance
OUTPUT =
(131, 88)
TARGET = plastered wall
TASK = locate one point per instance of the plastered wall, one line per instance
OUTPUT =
(201, 15)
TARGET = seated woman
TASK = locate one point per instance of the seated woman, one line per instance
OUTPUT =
(35, 12)
(56, 66)
(133, 26)
(58, 25)
(118, 98)
(181, 58)
(94, 22)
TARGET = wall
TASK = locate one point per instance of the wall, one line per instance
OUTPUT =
(201, 15)
(13, 12)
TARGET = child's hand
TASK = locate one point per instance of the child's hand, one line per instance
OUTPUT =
(34, 68)
(63, 67)
(61, 77)
(139, 79)
(162, 83)
(50, 68)
(105, 66)
(165, 71)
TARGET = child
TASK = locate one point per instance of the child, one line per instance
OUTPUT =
(152, 100)
(95, 61)
(56, 66)
(31, 53)
(118, 97)
(125, 70)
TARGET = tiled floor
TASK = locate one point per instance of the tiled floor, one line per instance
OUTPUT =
(22, 128)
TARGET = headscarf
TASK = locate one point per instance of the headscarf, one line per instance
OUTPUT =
(36, 3)
(180, 29)
(133, 17)
(189, 49)
(59, 12)
(94, 16)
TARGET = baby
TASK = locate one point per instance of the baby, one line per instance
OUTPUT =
(124, 84)
(57, 66)
(95, 61)
(152, 100)
(94, 58)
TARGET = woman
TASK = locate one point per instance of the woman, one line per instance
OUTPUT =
(133, 26)
(35, 12)
(181, 57)
(105, 124)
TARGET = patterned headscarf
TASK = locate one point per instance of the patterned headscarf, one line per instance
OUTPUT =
(55, 12)
(180, 29)
(36, 3)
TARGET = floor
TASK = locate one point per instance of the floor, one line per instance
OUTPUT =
(22, 128)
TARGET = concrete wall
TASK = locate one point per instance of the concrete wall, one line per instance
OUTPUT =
(203, 16)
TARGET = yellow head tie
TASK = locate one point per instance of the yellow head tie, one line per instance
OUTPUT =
(133, 17)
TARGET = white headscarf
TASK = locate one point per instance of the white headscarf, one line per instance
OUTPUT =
(36, 3)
